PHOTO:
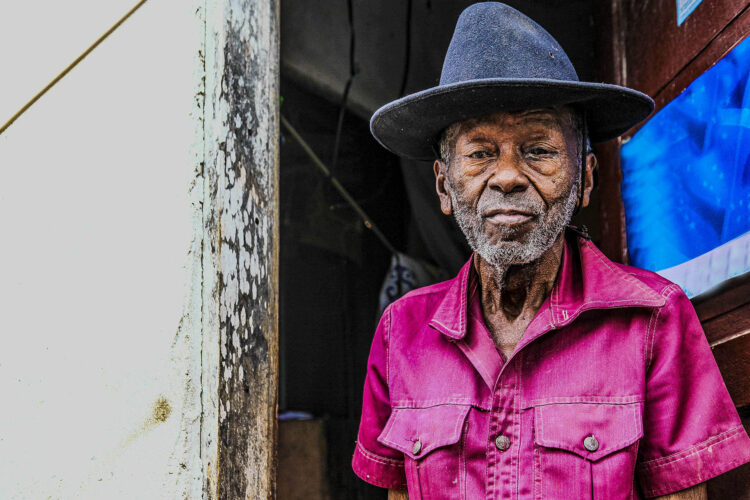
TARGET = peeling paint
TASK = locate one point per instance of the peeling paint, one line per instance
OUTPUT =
(242, 165)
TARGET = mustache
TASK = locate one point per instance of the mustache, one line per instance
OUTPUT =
(493, 201)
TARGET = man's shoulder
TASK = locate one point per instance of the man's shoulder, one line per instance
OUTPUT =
(423, 299)
(427, 293)
(652, 280)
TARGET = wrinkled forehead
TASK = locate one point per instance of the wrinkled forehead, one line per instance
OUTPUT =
(558, 119)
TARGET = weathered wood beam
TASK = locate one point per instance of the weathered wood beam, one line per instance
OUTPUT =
(240, 247)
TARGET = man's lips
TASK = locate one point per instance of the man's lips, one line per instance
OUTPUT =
(508, 217)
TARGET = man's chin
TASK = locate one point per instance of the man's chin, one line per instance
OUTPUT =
(505, 253)
(511, 237)
(498, 235)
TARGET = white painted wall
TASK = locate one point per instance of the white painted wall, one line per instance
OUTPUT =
(95, 255)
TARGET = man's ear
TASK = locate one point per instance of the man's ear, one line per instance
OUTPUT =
(441, 170)
(588, 178)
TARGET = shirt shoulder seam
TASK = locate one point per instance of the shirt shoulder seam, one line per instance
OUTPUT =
(648, 356)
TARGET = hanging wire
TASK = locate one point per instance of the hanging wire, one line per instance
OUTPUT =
(407, 50)
(369, 224)
(71, 66)
(339, 127)
(347, 87)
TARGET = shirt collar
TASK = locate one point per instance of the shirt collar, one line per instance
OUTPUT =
(587, 280)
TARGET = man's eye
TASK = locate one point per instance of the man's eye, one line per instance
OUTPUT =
(539, 151)
(480, 155)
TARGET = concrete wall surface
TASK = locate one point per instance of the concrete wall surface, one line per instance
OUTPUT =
(100, 358)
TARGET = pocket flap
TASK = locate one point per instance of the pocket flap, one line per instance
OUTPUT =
(433, 427)
(567, 426)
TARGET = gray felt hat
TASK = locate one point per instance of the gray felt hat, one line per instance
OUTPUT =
(500, 60)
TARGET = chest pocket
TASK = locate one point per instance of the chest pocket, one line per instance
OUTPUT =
(431, 441)
(586, 451)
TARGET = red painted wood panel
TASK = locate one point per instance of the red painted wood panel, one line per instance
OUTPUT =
(729, 37)
(728, 324)
(611, 210)
(609, 56)
(731, 295)
(733, 358)
(656, 49)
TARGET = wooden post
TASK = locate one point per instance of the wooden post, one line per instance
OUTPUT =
(238, 185)
(611, 67)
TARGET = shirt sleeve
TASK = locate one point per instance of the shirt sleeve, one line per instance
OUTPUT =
(373, 462)
(691, 428)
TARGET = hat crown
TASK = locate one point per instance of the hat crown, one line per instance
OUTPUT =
(493, 40)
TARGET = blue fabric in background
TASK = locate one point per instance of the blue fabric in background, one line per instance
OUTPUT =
(686, 173)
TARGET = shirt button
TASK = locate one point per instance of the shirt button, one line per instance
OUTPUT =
(417, 447)
(591, 444)
(502, 443)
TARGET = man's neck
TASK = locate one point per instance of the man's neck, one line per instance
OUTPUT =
(518, 290)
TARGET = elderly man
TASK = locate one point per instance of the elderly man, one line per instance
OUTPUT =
(543, 370)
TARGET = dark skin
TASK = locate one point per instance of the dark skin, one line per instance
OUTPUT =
(536, 154)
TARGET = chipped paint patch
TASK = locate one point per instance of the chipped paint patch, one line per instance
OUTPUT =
(241, 224)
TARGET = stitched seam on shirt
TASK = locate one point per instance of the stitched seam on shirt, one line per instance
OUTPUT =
(537, 473)
(410, 404)
(387, 352)
(391, 462)
(666, 292)
(541, 455)
(585, 399)
(385, 440)
(462, 311)
(686, 482)
(592, 304)
(470, 353)
(462, 462)
(655, 463)
(587, 305)
(648, 348)
(380, 482)
(446, 328)
(386, 431)
(517, 415)
(651, 332)
(555, 302)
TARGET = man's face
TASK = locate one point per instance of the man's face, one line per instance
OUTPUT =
(512, 182)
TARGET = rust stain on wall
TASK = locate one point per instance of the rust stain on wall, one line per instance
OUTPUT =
(161, 410)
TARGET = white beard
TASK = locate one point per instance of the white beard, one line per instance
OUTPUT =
(505, 252)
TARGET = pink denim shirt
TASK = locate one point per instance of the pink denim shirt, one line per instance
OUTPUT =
(611, 393)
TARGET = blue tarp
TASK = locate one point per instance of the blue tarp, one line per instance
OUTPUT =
(686, 173)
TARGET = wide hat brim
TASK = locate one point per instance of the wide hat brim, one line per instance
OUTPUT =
(411, 125)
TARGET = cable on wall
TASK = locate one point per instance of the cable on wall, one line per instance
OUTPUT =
(347, 87)
(72, 65)
(407, 50)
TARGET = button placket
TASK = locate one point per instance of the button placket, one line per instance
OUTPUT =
(503, 429)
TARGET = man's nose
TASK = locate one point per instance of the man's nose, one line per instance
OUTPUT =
(508, 175)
